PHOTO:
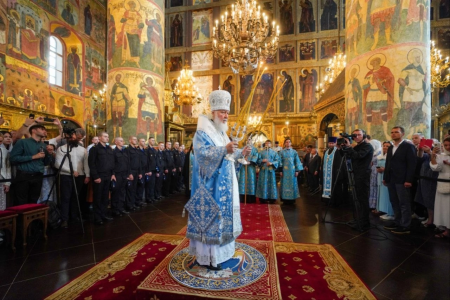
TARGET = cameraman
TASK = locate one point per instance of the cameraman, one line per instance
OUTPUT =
(360, 155)
(80, 168)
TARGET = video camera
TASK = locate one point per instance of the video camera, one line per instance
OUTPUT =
(68, 130)
(341, 141)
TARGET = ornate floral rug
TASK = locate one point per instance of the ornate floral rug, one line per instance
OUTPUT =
(261, 222)
(293, 271)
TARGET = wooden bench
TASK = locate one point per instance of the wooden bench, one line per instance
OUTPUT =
(8, 221)
(27, 214)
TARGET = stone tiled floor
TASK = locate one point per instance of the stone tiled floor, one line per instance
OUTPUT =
(416, 266)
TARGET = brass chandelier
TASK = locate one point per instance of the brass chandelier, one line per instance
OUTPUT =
(245, 37)
(335, 67)
(185, 91)
(438, 66)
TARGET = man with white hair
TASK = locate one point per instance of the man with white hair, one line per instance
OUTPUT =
(213, 229)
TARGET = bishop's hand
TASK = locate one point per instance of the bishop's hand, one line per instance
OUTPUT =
(231, 147)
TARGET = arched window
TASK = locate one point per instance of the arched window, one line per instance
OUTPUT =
(55, 62)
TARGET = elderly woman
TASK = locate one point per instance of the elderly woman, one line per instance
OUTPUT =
(373, 197)
(441, 164)
(384, 204)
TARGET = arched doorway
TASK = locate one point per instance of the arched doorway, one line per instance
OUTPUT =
(329, 126)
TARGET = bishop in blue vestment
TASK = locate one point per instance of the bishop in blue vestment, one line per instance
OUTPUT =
(268, 160)
(247, 174)
(214, 216)
(291, 166)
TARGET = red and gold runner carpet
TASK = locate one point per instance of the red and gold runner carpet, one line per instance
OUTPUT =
(261, 222)
(295, 271)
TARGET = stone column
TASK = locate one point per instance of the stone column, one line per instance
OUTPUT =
(135, 53)
(388, 63)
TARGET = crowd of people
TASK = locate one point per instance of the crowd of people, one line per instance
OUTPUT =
(123, 178)
(396, 180)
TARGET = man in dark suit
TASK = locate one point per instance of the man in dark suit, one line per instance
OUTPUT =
(178, 166)
(150, 180)
(122, 172)
(361, 155)
(136, 171)
(314, 164)
(160, 167)
(140, 188)
(169, 170)
(398, 177)
(306, 160)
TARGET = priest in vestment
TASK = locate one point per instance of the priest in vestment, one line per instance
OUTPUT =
(214, 215)
(268, 161)
(334, 173)
(290, 167)
(247, 176)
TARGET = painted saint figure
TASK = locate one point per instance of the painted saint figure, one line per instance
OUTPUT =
(130, 35)
(176, 32)
(290, 167)
(154, 45)
(307, 87)
(67, 108)
(381, 12)
(229, 87)
(307, 22)
(354, 99)
(288, 92)
(111, 38)
(378, 99)
(287, 21)
(412, 91)
(87, 20)
(328, 19)
(67, 15)
(73, 71)
(149, 110)
(119, 104)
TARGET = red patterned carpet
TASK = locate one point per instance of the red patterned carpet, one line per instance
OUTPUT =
(261, 222)
(294, 271)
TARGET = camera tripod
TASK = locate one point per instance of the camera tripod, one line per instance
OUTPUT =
(351, 182)
(67, 155)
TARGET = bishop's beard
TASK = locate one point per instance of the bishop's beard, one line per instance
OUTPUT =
(223, 127)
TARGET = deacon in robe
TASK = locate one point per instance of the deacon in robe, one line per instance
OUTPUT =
(214, 216)
(291, 166)
(247, 176)
(268, 161)
(334, 173)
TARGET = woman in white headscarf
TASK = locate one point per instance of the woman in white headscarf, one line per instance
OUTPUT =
(373, 197)
(441, 164)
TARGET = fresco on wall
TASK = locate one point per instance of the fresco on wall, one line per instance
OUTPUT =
(95, 69)
(94, 20)
(286, 98)
(94, 108)
(49, 6)
(286, 13)
(307, 50)
(74, 83)
(135, 36)
(3, 28)
(135, 103)
(444, 9)
(262, 92)
(2, 78)
(307, 21)
(202, 60)
(286, 52)
(176, 62)
(26, 86)
(328, 48)
(444, 96)
(300, 135)
(30, 41)
(176, 30)
(228, 83)
(205, 87)
(307, 86)
(68, 12)
(328, 17)
(201, 27)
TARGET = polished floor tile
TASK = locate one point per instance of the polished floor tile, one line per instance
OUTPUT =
(413, 266)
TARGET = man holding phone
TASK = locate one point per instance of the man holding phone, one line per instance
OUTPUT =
(30, 156)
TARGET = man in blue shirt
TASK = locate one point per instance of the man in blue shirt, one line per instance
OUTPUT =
(30, 156)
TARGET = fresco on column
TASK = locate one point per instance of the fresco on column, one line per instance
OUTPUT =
(135, 59)
(286, 103)
(387, 74)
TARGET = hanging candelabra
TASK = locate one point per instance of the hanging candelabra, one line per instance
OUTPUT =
(335, 67)
(245, 37)
(186, 92)
(439, 66)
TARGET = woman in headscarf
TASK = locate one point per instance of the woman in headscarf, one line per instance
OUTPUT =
(373, 197)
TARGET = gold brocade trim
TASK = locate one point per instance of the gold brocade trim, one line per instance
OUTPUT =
(280, 230)
(340, 277)
(113, 264)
